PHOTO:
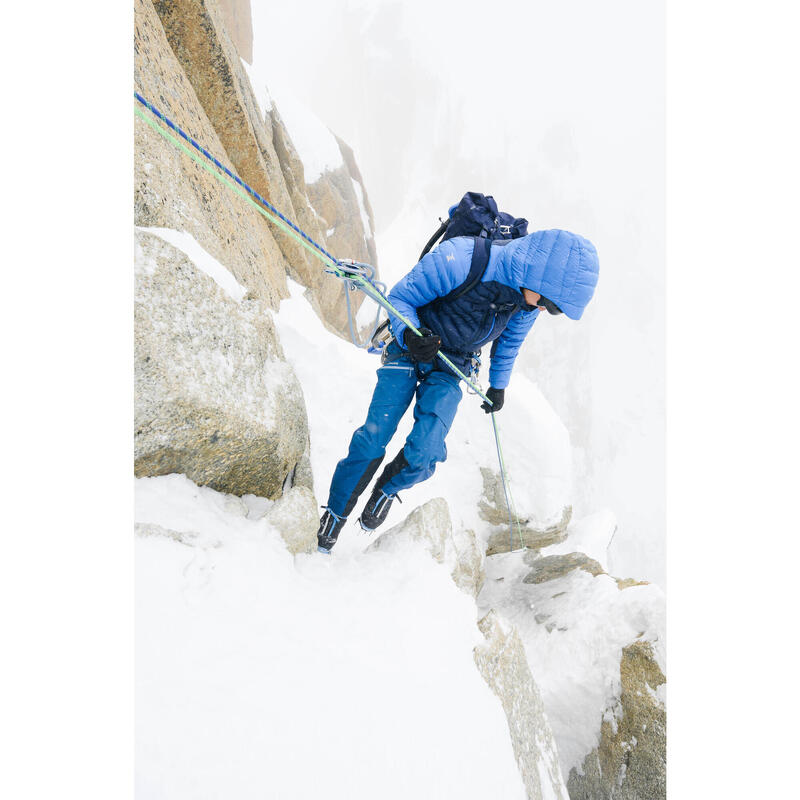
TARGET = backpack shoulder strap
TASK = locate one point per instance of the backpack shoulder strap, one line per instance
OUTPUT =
(477, 268)
(432, 241)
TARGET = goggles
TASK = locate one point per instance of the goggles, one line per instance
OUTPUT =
(549, 306)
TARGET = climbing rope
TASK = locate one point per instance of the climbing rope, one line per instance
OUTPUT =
(507, 491)
(332, 265)
(355, 274)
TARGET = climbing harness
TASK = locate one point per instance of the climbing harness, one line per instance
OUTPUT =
(355, 274)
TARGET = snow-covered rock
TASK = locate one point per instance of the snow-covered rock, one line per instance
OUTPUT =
(548, 568)
(260, 674)
(538, 463)
(592, 642)
(502, 662)
(630, 761)
(295, 516)
(525, 535)
(430, 525)
(215, 399)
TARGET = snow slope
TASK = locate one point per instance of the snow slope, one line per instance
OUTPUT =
(262, 675)
(574, 629)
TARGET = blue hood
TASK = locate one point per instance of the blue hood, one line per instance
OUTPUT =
(559, 265)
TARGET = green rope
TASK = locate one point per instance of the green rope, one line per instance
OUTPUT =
(220, 177)
(512, 510)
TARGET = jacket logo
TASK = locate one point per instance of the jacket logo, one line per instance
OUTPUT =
(451, 257)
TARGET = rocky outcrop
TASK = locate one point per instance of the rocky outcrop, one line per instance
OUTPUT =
(325, 292)
(549, 568)
(262, 154)
(239, 24)
(606, 705)
(215, 399)
(504, 666)
(295, 517)
(501, 659)
(493, 508)
(630, 762)
(430, 525)
(187, 62)
(196, 33)
(171, 191)
(334, 196)
(525, 535)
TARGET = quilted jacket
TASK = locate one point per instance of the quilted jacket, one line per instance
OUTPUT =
(559, 265)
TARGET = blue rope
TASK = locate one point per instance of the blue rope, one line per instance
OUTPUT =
(338, 270)
(166, 120)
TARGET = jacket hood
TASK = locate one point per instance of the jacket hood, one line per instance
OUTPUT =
(559, 265)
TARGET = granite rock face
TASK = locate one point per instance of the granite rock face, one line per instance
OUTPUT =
(239, 24)
(430, 525)
(215, 398)
(549, 568)
(262, 154)
(504, 666)
(605, 698)
(171, 191)
(188, 64)
(295, 517)
(492, 507)
(631, 761)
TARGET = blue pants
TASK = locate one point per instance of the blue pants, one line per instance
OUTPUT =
(399, 380)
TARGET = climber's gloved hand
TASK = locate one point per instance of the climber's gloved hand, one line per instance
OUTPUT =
(422, 348)
(496, 396)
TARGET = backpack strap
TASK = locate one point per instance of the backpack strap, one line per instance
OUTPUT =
(477, 268)
(432, 241)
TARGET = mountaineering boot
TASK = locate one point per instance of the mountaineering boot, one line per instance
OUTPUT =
(329, 527)
(376, 509)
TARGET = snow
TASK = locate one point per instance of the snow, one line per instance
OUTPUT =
(260, 87)
(262, 675)
(201, 258)
(591, 535)
(315, 144)
(574, 629)
(362, 209)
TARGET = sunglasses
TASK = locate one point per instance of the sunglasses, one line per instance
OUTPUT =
(549, 306)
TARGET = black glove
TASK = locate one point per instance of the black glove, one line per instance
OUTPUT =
(422, 348)
(496, 396)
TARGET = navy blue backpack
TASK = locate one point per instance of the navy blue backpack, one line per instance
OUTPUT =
(477, 215)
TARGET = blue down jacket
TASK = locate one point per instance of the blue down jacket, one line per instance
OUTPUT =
(559, 265)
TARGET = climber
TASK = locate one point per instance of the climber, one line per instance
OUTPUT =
(553, 270)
